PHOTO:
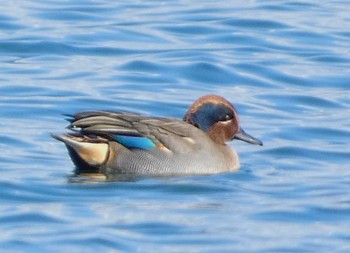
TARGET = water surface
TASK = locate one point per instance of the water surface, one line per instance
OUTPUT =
(284, 65)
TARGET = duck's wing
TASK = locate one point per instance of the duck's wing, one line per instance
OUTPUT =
(138, 131)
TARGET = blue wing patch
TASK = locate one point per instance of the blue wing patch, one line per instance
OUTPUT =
(135, 142)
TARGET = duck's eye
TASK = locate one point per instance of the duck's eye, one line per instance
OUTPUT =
(226, 117)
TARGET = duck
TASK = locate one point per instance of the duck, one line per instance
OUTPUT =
(115, 143)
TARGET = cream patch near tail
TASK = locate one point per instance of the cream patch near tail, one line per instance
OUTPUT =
(93, 153)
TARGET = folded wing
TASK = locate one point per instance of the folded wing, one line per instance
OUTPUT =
(137, 131)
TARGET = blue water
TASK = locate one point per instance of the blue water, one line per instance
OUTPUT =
(284, 64)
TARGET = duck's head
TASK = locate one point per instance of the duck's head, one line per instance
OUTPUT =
(219, 119)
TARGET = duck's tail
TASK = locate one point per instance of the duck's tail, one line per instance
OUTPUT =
(88, 154)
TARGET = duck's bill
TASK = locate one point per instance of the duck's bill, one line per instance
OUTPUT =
(243, 136)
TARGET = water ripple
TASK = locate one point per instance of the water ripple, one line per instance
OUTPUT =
(284, 65)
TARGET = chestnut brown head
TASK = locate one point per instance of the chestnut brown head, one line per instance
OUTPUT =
(218, 118)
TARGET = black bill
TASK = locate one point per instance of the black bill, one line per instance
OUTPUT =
(243, 136)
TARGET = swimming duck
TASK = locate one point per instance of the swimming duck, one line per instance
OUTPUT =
(115, 143)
